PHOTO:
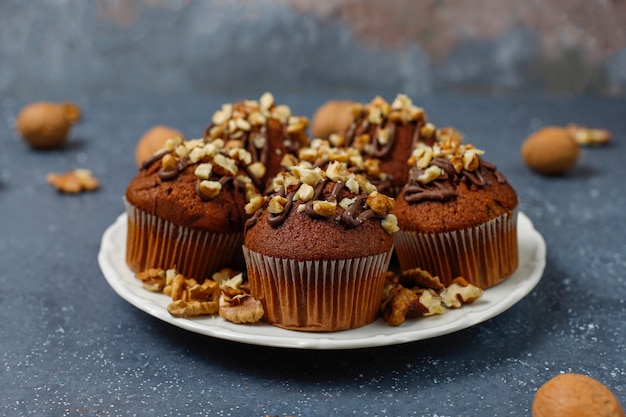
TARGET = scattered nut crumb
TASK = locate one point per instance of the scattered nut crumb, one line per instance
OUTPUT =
(225, 294)
(417, 293)
(585, 136)
(74, 181)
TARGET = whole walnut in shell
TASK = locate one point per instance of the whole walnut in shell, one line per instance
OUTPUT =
(570, 394)
(334, 116)
(153, 140)
(45, 125)
(550, 151)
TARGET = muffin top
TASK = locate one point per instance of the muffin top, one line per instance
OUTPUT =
(321, 152)
(316, 213)
(388, 132)
(198, 185)
(451, 187)
(269, 132)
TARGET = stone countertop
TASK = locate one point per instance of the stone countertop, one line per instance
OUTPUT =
(69, 345)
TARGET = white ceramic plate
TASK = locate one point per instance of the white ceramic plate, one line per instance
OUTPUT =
(532, 250)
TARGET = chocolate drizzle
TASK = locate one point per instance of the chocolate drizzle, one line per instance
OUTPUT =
(182, 163)
(361, 125)
(443, 188)
(168, 175)
(355, 215)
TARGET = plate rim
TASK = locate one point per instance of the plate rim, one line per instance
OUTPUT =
(262, 334)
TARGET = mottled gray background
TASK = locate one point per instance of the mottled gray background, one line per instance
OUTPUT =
(112, 47)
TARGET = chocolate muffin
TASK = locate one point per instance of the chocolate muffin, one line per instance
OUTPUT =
(457, 216)
(317, 252)
(187, 208)
(268, 131)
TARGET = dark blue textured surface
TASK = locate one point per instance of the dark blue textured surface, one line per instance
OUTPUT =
(70, 346)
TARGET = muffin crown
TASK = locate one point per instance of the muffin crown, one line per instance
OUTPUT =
(214, 165)
(333, 193)
(373, 130)
(269, 132)
(437, 169)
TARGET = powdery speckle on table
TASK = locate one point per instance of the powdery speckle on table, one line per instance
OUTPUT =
(70, 346)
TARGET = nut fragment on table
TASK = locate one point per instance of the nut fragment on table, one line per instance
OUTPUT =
(74, 181)
(237, 305)
(417, 293)
(586, 136)
(460, 292)
(225, 294)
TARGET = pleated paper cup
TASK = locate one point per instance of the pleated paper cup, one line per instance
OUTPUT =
(316, 295)
(484, 255)
(152, 242)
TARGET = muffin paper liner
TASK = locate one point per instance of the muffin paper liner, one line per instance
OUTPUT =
(152, 242)
(317, 295)
(485, 255)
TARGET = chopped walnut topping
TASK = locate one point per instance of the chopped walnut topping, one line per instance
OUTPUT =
(372, 167)
(352, 184)
(324, 208)
(457, 163)
(304, 193)
(428, 130)
(203, 171)
(380, 203)
(168, 162)
(471, 160)
(277, 204)
(334, 171)
(430, 174)
(266, 101)
(375, 116)
(172, 143)
(182, 151)
(390, 223)
(421, 156)
(224, 165)
(210, 189)
(74, 181)
(345, 203)
(307, 175)
(254, 204)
